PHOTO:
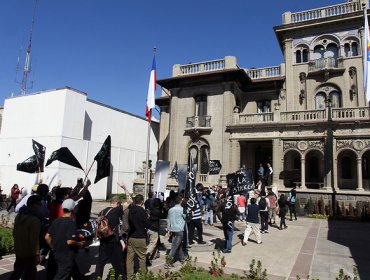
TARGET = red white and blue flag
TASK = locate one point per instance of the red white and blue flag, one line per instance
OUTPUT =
(150, 101)
(366, 57)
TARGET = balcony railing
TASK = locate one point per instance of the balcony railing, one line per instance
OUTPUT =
(262, 73)
(325, 63)
(313, 115)
(323, 12)
(198, 122)
(351, 113)
(256, 118)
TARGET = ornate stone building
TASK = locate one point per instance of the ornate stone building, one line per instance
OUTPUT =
(308, 116)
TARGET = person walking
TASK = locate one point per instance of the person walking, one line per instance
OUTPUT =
(196, 222)
(282, 202)
(263, 204)
(139, 223)
(272, 207)
(175, 225)
(227, 214)
(27, 228)
(252, 222)
(241, 201)
(110, 249)
(292, 197)
(14, 195)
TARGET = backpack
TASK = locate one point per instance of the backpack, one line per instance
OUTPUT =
(103, 228)
(213, 205)
(125, 227)
(262, 204)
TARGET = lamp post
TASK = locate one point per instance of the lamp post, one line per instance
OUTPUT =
(329, 151)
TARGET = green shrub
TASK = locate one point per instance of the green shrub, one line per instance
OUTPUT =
(6, 241)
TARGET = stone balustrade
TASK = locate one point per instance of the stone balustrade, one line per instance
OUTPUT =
(198, 121)
(256, 118)
(325, 63)
(323, 12)
(312, 115)
(263, 73)
(351, 113)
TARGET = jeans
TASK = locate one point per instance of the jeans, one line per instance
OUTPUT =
(292, 211)
(197, 223)
(228, 233)
(112, 252)
(176, 245)
(264, 220)
(208, 215)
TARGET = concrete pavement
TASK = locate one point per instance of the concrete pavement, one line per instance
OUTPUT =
(314, 247)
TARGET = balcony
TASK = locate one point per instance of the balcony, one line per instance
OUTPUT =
(198, 124)
(256, 118)
(360, 113)
(265, 73)
(322, 12)
(303, 116)
(325, 66)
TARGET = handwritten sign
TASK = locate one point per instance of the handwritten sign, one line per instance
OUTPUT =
(240, 181)
(214, 167)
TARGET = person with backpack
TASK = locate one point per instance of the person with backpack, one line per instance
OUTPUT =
(292, 197)
(263, 205)
(107, 230)
(210, 206)
(139, 223)
(252, 222)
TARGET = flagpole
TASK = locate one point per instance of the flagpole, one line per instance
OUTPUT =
(147, 159)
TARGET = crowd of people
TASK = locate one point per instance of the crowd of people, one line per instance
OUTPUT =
(54, 224)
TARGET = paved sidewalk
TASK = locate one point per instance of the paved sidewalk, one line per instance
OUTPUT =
(314, 247)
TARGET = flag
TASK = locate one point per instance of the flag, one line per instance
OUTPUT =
(150, 102)
(103, 160)
(175, 172)
(30, 165)
(40, 154)
(366, 57)
(64, 155)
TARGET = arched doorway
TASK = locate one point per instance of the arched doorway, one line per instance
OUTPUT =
(292, 167)
(347, 170)
(314, 169)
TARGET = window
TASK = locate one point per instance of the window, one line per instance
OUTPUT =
(320, 100)
(298, 57)
(331, 51)
(354, 49)
(319, 52)
(347, 50)
(305, 55)
(199, 152)
(297, 162)
(335, 99)
(301, 55)
(264, 106)
(201, 105)
(346, 167)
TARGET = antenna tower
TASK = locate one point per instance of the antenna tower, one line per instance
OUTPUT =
(27, 68)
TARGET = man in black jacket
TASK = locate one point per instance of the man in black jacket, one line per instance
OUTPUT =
(227, 214)
(110, 248)
(139, 223)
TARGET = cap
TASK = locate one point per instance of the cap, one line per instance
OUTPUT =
(69, 204)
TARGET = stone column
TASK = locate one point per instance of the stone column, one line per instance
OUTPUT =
(234, 155)
(277, 155)
(303, 173)
(359, 174)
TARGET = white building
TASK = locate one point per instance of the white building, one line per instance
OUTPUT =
(67, 118)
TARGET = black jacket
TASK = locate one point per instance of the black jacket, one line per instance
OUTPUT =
(139, 222)
(155, 215)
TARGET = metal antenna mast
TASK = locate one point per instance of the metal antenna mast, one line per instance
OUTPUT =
(27, 68)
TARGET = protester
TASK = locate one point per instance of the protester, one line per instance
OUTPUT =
(241, 201)
(282, 202)
(14, 195)
(148, 203)
(27, 228)
(110, 249)
(252, 222)
(175, 225)
(272, 207)
(139, 222)
(292, 199)
(156, 213)
(196, 222)
(264, 205)
(61, 238)
(210, 206)
(227, 215)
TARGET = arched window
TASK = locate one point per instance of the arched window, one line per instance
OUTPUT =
(320, 100)
(298, 58)
(319, 52)
(297, 162)
(201, 105)
(335, 99)
(347, 50)
(354, 49)
(305, 55)
(313, 164)
(199, 151)
(331, 51)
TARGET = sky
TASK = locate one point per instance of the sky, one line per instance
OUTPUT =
(105, 47)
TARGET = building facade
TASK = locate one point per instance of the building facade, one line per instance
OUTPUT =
(67, 118)
(308, 117)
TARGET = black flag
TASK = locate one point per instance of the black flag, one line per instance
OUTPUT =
(103, 160)
(175, 172)
(40, 154)
(30, 165)
(64, 155)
